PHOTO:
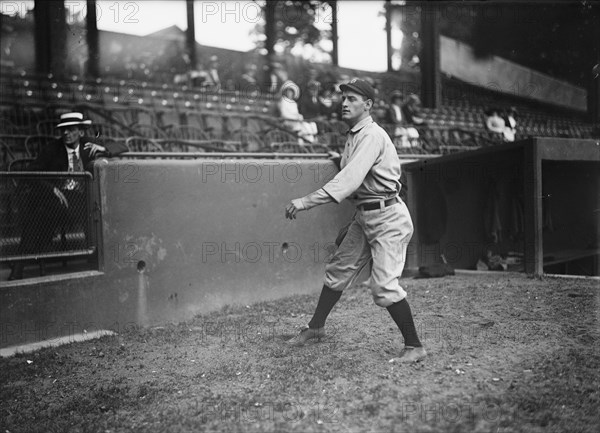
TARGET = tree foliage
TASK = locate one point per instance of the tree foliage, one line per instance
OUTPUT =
(298, 23)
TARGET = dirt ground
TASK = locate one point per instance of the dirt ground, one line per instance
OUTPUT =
(507, 353)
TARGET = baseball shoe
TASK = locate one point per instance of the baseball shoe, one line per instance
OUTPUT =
(305, 335)
(411, 354)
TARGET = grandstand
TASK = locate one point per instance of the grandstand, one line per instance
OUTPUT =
(137, 102)
(31, 103)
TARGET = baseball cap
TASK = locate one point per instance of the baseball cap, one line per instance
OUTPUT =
(361, 87)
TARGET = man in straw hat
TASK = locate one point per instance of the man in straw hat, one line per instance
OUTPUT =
(380, 229)
(55, 202)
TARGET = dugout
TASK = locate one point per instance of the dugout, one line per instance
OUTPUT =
(534, 203)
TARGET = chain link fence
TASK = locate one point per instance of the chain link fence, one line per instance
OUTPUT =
(45, 214)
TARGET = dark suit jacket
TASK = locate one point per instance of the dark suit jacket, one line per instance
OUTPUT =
(393, 118)
(309, 108)
(411, 116)
(53, 156)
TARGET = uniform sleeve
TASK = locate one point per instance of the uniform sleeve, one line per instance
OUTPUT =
(357, 167)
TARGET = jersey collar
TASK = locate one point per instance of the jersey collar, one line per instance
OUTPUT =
(360, 125)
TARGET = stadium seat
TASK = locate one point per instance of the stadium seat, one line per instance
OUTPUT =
(279, 136)
(184, 132)
(6, 156)
(7, 127)
(149, 131)
(249, 141)
(224, 146)
(106, 130)
(214, 125)
(34, 144)
(333, 140)
(289, 147)
(143, 144)
(317, 148)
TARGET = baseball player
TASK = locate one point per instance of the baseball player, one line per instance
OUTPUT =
(381, 227)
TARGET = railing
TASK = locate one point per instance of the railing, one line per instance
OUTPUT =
(44, 215)
(247, 155)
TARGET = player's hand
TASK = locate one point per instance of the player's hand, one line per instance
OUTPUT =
(292, 209)
(95, 149)
(61, 197)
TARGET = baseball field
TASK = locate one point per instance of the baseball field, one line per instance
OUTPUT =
(507, 353)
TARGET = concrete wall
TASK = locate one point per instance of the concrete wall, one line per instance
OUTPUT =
(180, 238)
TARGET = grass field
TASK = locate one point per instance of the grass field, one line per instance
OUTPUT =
(506, 354)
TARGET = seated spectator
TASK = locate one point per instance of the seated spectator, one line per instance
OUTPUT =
(493, 122)
(510, 130)
(342, 79)
(62, 201)
(213, 80)
(313, 81)
(412, 110)
(379, 110)
(181, 68)
(288, 110)
(403, 135)
(277, 77)
(248, 83)
(309, 101)
(329, 107)
(197, 77)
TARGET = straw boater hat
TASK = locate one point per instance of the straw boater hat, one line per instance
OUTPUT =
(70, 119)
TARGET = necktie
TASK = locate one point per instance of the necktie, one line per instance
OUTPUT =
(77, 165)
(72, 184)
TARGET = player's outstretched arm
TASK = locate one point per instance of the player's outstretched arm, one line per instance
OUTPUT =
(307, 202)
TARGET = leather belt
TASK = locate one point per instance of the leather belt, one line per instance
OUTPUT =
(376, 205)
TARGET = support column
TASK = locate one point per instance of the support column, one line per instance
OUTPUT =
(593, 97)
(190, 35)
(270, 36)
(388, 33)
(431, 87)
(334, 33)
(93, 68)
(50, 37)
(532, 175)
